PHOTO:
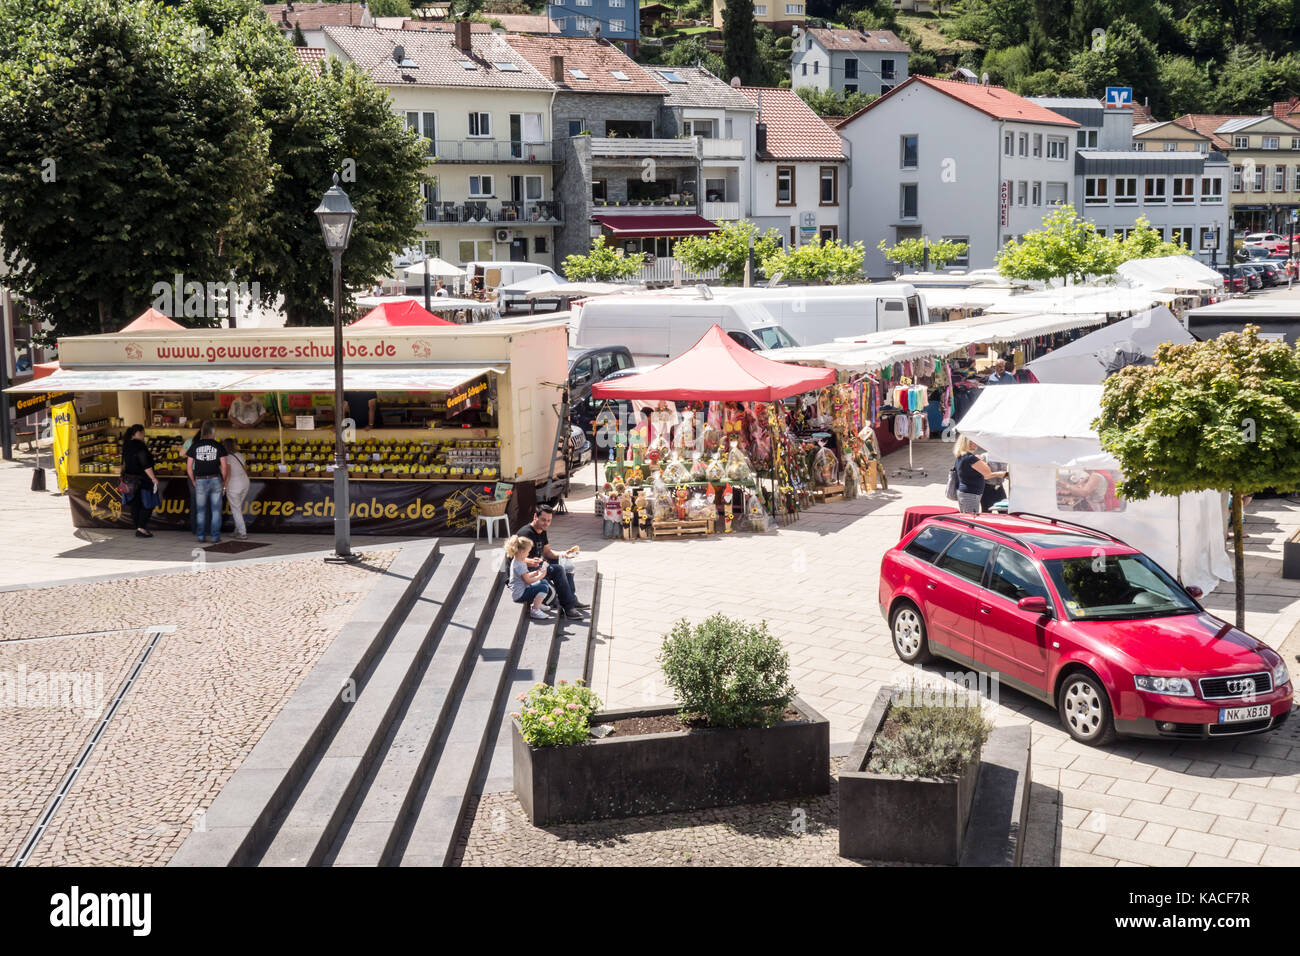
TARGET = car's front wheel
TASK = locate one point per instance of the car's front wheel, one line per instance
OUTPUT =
(908, 630)
(1085, 709)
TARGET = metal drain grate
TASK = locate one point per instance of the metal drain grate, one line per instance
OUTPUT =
(71, 776)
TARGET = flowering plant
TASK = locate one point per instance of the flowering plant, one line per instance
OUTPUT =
(556, 716)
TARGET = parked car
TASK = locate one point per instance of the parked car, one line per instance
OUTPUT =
(1079, 620)
(1233, 282)
(1263, 271)
(1270, 240)
(589, 366)
(1251, 253)
(589, 415)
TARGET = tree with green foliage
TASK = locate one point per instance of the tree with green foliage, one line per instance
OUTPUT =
(1185, 85)
(299, 38)
(740, 43)
(727, 250)
(603, 263)
(915, 252)
(129, 154)
(1220, 415)
(817, 261)
(1143, 242)
(773, 57)
(834, 102)
(338, 121)
(692, 50)
(390, 8)
(1066, 247)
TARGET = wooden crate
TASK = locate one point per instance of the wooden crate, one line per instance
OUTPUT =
(669, 528)
(828, 493)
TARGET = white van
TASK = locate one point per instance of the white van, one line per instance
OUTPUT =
(818, 314)
(504, 273)
(658, 328)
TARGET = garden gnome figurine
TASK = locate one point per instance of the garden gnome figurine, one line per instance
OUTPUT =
(625, 504)
(642, 514)
(726, 507)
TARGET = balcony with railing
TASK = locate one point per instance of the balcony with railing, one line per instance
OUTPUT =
(618, 147)
(646, 206)
(491, 151)
(720, 210)
(669, 268)
(722, 148)
(489, 212)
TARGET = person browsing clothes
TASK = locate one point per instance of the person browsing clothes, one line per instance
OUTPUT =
(972, 476)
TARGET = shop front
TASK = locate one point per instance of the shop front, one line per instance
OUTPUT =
(443, 416)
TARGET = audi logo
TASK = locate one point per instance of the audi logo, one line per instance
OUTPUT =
(1242, 686)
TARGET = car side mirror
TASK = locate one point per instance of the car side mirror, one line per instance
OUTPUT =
(1194, 592)
(1035, 605)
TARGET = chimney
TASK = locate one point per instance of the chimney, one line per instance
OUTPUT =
(557, 68)
(760, 137)
(463, 40)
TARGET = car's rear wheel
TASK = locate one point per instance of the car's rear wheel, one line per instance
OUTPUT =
(1085, 709)
(907, 627)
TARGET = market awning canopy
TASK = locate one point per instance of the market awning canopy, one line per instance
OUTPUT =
(136, 380)
(397, 314)
(434, 266)
(1170, 272)
(1038, 425)
(432, 378)
(543, 280)
(650, 227)
(573, 290)
(150, 320)
(1088, 360)
(718, 369)
(1082, 300)
(856, 357)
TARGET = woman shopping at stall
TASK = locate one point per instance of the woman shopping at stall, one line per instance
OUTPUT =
(972, 475)
(139, 478)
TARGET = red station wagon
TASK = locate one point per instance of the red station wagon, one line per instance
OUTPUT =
(1081, 621)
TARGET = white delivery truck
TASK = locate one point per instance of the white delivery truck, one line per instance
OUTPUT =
(817, 314)
(656, 328)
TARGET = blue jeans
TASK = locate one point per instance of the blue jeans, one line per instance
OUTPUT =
(531, 591)
(207, 502)
(563, 584)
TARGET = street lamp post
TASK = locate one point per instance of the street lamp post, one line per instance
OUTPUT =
(336, 217)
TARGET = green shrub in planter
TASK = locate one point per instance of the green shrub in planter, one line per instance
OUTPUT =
(927, 740)
(556, 716)
(730, 673)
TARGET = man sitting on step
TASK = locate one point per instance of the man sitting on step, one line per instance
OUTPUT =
(542, 551)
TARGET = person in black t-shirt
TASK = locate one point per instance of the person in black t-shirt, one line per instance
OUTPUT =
(206, 465)
(542, 552)
(362, 408)
(137, 472)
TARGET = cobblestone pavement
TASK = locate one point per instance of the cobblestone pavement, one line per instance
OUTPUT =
(815, 582)
(244, 637)
(781, 833)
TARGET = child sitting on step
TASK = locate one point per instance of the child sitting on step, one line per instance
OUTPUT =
(527, 585)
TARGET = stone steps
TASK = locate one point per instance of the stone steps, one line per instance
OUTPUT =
(382, 775)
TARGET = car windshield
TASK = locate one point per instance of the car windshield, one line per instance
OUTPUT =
(1120, 587)
(775, 337)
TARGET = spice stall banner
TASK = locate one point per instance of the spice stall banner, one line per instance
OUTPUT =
(64, 421)
(296, 505)
(468, 395)
(30, 404)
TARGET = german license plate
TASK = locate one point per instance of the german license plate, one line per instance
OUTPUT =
(1228, 715)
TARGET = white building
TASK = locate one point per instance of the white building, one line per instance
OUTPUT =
(946, 159)
(799, 177)
(848, 61)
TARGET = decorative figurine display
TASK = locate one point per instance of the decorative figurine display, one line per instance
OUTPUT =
(642, 514)
(726, 506)
(625, 505)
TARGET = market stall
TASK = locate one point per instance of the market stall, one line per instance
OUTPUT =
(721, 443)
(1088, 360)
(458, 409)
(1058, 469)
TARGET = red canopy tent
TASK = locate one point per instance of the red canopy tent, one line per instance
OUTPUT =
(398, 313)
(151, 320)
(718, 369)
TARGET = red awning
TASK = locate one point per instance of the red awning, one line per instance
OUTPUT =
(718, 369)
(42, 369)
(151, 320)
(397, 313)
(650, 227)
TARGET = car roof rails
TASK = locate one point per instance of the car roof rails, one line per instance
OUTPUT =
(957, 519)
(1071, 524)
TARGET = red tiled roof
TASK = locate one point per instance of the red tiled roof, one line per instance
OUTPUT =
(311, 57)
(313, 16)
(1288, 110)
(595, 58)
(442, 26)
(525, 22)
(794, 131)
(859, 41)
(1206, 124)
(438, 61)
(1142, 115)
(995, 101)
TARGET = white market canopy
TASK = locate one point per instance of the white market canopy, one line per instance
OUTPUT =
(1038, 425)
(573, 290)
(1173, 273)
(434, 266)
(135, 380)
(539, 282)
(1083, 300)
(853, 356)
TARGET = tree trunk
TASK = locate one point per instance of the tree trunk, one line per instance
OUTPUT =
(1239, 559)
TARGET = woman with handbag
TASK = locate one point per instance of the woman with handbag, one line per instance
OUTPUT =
(139, 480)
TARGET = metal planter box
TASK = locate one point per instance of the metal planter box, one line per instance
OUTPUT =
(682, 770)
(903, 819)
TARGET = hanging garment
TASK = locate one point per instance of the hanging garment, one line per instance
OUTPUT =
(900, 426)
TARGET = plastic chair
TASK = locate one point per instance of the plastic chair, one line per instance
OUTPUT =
(490, 521)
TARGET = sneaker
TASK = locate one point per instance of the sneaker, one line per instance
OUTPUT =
(241, 537)
(216, 540)
(537, 614)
